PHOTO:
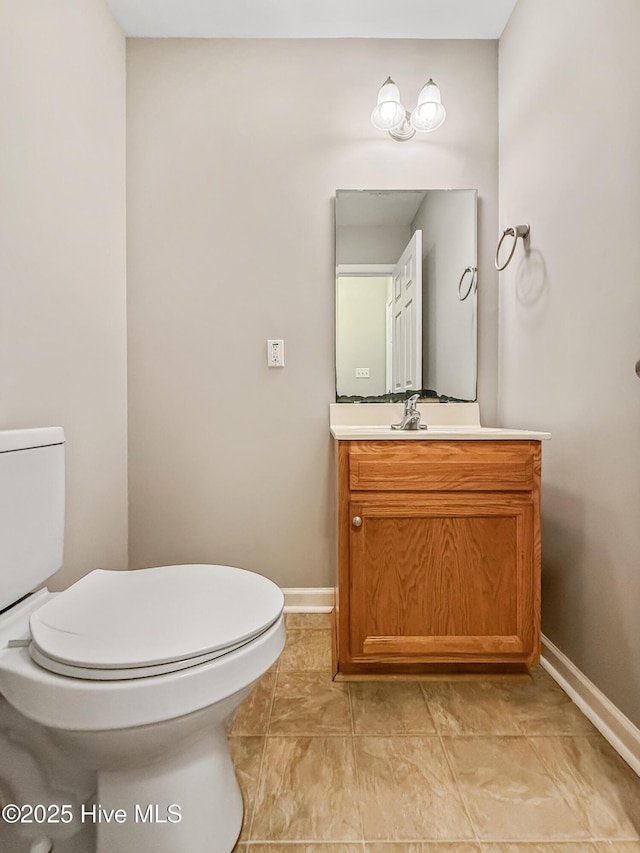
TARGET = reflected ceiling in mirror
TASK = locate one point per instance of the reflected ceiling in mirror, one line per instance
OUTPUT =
(406, 300)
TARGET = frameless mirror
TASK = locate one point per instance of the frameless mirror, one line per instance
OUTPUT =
(406, 303)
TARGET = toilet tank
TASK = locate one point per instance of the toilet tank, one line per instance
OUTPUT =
(31, 509)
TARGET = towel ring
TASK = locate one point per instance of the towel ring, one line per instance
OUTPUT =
(518, 231)
(474, 280)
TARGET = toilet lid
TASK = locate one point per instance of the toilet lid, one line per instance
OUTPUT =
(151, 620)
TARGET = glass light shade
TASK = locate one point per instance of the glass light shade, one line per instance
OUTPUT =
(429, 114)
(389, 112)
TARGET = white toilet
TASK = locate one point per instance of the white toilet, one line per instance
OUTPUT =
(133, 674)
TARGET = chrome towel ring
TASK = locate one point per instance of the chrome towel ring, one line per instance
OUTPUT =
(474, 281)
(518, 231)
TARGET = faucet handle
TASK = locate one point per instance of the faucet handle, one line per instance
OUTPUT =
(411, 403)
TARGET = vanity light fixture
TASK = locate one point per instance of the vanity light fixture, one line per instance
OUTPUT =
(390, 115)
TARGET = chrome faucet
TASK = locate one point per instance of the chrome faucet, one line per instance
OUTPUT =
(411, 418)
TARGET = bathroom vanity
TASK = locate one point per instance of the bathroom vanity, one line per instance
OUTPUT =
(439, 529)
(438, 543)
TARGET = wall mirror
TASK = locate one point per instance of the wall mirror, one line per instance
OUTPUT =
(406, 301)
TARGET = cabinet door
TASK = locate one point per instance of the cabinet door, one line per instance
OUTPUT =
(443, 577)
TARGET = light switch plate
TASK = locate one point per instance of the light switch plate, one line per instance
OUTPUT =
(362, 372)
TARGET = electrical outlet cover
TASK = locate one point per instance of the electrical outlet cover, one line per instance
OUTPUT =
(275, 353)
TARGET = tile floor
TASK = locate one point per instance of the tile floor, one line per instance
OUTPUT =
(422, 766)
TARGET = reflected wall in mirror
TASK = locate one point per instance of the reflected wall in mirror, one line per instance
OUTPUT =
(401, 324)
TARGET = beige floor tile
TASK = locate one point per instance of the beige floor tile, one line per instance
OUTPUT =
(533, 847)
(596, 781)
(540, 675)
(330, 847)
(471, 708)
(252, 717)
(389, 708)
(543, 708)
(307, 791)
(561, 782)
(308, 621)
(246, 753)
(306, 650)
(509, 792)
(407, 791)
(310, 703)
(504, 708)
(421, 847)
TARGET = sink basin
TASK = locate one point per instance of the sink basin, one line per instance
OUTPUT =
(469, 429)
(440, 428)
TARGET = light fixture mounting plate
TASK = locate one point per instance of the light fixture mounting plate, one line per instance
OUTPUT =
(404, 131)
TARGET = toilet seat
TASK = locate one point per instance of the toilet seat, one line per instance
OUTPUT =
(113, 625)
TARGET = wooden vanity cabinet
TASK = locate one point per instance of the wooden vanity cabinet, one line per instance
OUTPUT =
(439, 556)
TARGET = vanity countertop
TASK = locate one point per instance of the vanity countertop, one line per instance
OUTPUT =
(445, 421)
(382, 433)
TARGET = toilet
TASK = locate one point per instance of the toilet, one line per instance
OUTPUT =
(133, 676)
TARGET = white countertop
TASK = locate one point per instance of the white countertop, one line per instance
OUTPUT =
(382, 433)
(445, 421)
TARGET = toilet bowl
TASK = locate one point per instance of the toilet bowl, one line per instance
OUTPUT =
(136, 676)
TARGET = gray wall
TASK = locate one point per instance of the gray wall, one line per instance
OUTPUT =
(62, 257)
(569, 315)
(235, 151)
(449, 334)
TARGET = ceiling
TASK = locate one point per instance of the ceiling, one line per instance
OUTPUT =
(398, 19)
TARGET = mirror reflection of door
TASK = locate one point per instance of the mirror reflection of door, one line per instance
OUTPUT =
(406, 359)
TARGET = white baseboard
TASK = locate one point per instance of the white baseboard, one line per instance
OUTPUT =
(309, 600)
(612, 724)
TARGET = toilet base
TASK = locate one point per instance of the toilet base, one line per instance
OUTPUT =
(165, 787)
(192, 802)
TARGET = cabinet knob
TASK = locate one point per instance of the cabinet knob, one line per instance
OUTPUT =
(357, 521)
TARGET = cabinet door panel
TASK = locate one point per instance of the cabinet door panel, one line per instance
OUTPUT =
(442, 576)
